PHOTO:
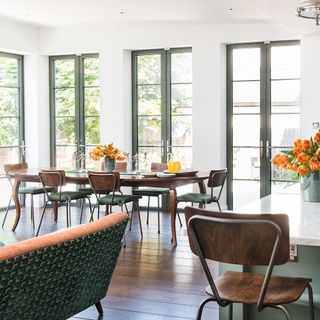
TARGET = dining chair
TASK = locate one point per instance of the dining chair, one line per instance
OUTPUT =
(30, 190)
(52, 182)
(250, 240)
(216, 180)
(154, 191)
(107, 189)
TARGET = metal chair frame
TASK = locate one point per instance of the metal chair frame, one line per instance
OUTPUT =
(68, 202)
(216, 297)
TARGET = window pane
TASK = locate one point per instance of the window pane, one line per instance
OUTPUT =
(64, 73)
(285, 95)
(149, 130)
(246, 163)
(246, 130)
(65, 156)
(92, 130)
(285, 129)
(181, 67)
(9, 73)
(9, 131)
(9, 102)
(246, 97)
(147, 155)
(184, 155)
(6, 189)
(182, 130)
(8, 155)
(91, 72)
(245, 192)
(65, 130)
(92, 101)
(285, 62)
(149, 100)
(65, 102)
(149, 69)
(181, 98)
(246, 64)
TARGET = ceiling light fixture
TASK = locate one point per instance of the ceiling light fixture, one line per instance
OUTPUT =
(310, 10)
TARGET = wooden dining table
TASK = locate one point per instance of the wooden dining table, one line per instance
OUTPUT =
(128, 179)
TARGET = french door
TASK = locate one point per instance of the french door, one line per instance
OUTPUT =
(162, 106)
(263, 117)
(12, 146)
(75, 109)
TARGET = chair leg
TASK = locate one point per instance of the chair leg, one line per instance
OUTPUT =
(90, 208)
(5, 215)
(67, 214)
(179, 218)
(43, 211)
(99, 307)
(158, 215)
(69, 204)
(32, 210)
(219, 206)
(311, 304)
(130, 226)
(148, 210)
(139, 216)
(203, 303)
(81, 210)
(230, 312)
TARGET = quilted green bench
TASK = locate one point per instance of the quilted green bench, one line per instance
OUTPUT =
(57, 275)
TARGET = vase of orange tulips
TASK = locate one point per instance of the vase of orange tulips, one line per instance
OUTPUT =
(304, 158)
(110, 154)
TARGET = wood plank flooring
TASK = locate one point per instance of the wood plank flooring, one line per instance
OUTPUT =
(152, 280)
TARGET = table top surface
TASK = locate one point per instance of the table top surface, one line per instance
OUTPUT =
(304, 216)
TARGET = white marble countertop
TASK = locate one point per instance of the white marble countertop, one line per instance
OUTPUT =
(304, 217)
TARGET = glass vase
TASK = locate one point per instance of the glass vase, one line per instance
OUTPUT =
(109, 164)
(310, 187)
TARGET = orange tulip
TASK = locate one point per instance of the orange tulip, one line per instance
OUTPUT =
(303, 170)
(306, 145)
(317, 137)
(303, 157)
(318, 153)
(297, 143)
(296, 151)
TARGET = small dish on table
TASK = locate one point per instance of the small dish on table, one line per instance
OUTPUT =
(165, 174)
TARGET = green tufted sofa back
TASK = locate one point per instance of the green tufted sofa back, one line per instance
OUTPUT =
(64, 278)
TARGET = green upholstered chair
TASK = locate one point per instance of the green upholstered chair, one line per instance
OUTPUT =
(30, 190)
(216, 180)
(52, 182)
(106, 187)
(154, 191)
(60, 274)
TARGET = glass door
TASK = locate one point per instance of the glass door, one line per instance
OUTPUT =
(75, 121)
(263, 117)
(162, 106)
(12, 147)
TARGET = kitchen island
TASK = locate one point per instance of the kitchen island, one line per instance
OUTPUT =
(304, 220)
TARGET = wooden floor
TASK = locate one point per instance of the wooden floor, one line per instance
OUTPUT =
(152, 280)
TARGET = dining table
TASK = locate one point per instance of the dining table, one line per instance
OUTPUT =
(128, 179)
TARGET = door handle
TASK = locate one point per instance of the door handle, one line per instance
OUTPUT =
(261, 149)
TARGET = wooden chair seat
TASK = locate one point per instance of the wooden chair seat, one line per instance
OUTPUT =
(244, 287)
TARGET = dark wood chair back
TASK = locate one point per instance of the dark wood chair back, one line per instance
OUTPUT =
(104, 181)
(246, 239)
(158, 166)
(217, 179)
(52, 178)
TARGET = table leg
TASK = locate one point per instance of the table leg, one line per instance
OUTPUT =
(203, 190)
(173, 197)
(15, 197)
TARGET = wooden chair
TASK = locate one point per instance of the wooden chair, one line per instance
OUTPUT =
(154, 191)
(245, 239)
(31, 190)
(53, 181)
(216, 179)
(106, 187)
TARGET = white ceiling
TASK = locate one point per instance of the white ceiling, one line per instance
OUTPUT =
(59, 13)
(70, 12)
